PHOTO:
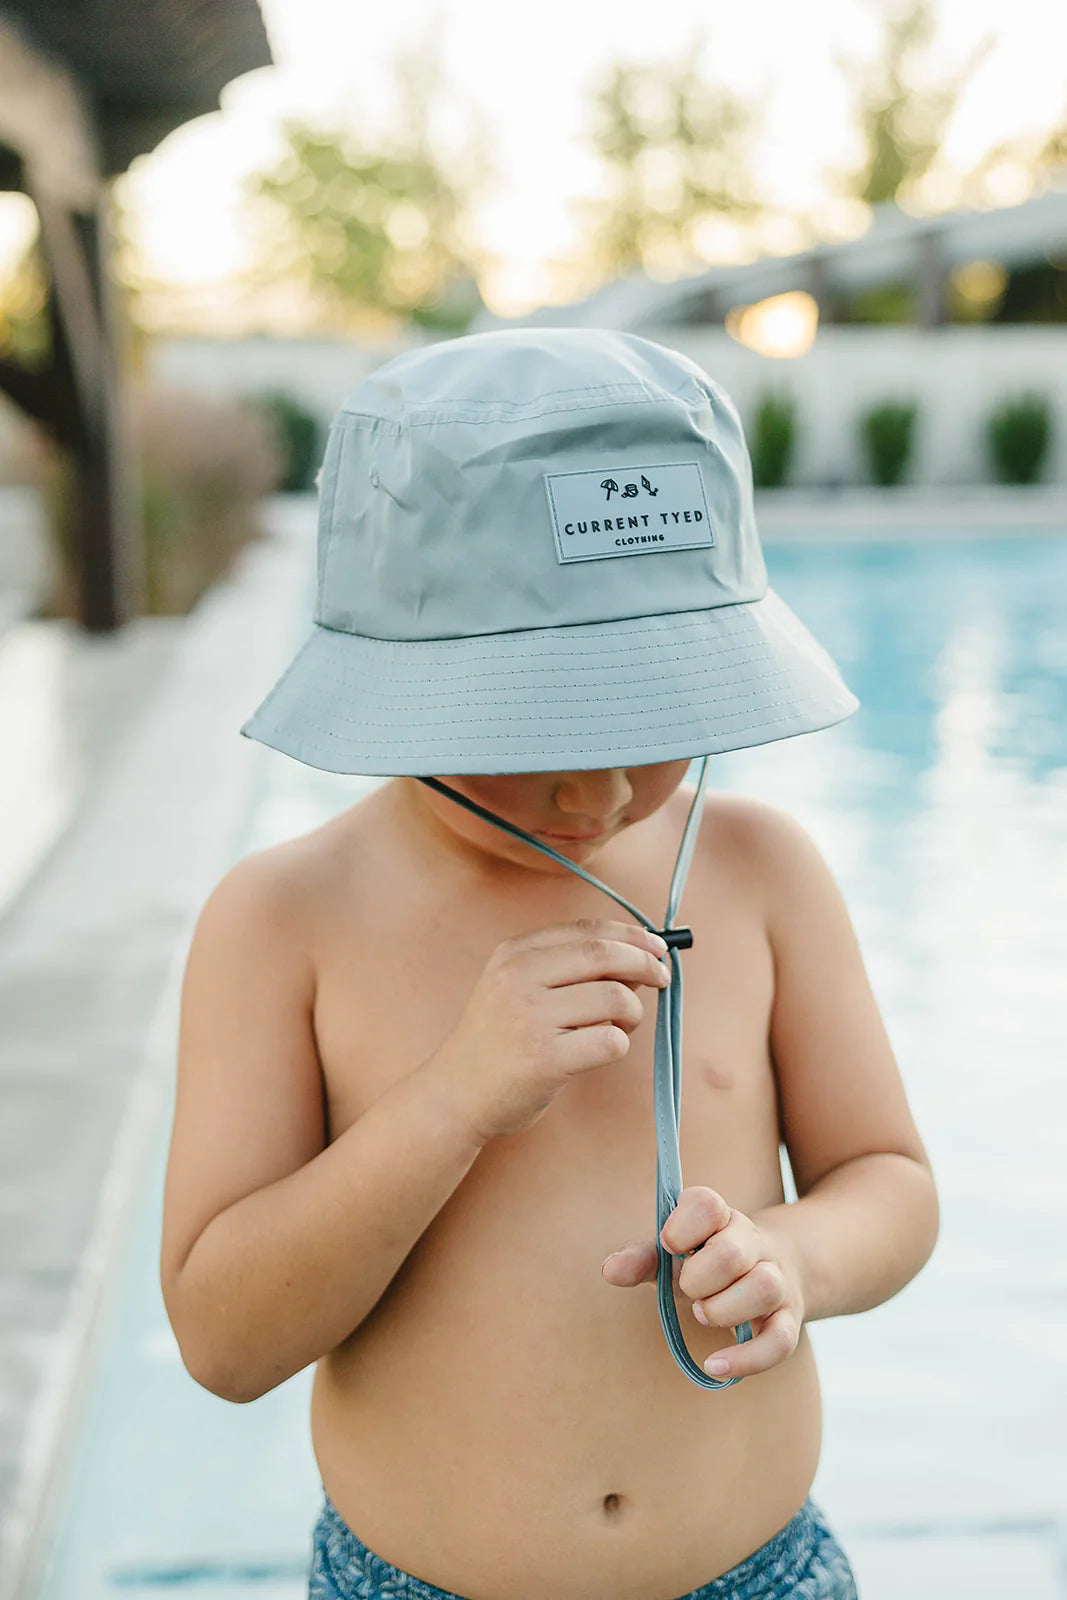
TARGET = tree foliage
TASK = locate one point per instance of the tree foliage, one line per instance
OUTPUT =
(902, 119)
(380, 227)
(678, 148)
(903, 111)
(25, 336)
(1036, 152)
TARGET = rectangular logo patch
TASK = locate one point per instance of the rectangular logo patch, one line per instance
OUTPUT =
(628, 511)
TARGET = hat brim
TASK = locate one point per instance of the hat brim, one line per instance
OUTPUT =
(583, 697)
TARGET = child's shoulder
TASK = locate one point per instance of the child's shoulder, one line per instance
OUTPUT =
(771, 848)
(282, 884)
(757, 828)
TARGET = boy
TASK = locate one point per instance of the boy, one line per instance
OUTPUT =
(417, 1049)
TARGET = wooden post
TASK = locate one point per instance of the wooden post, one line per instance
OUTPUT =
(105, 526)
(931, 273)
(820, 287)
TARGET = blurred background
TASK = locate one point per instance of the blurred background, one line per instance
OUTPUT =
(216, 216)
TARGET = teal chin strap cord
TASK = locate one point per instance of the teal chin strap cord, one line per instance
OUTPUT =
(667, 1076)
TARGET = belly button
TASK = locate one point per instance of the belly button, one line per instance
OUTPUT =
(612, 1502)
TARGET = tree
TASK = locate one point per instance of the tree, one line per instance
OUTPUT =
(377, 229)
(1037, 154)
(902, 121)
(678, 148)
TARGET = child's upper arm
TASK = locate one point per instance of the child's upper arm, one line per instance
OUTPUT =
(840, 1089)
(249, 1106)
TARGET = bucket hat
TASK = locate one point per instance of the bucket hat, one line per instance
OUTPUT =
(537, 551)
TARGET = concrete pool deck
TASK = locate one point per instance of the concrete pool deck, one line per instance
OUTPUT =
(91, 948)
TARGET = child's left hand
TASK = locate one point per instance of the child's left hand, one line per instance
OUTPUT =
(734, 1272)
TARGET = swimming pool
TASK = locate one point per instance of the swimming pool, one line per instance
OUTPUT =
(942, 809)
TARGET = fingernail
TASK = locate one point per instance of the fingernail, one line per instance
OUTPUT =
(717, 1366)
(698, 1312)
(660, 944)
(606, 1259)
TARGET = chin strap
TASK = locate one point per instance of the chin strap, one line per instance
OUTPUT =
(667, 1075)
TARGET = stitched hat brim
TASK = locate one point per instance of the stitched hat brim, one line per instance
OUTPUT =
(583, 697)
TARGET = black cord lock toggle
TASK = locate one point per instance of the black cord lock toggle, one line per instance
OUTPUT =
(676, 938)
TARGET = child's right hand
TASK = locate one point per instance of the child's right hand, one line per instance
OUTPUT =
(548, 1005)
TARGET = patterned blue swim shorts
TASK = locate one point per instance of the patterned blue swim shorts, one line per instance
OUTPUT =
(802, 1561)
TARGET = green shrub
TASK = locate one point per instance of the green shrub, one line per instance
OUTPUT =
(773, 434)
(1017, 437)
(299, 436)
(886, 431)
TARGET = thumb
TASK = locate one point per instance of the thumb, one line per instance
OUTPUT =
(633, 1264)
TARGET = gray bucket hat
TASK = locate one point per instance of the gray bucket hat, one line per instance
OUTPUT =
(537, 552)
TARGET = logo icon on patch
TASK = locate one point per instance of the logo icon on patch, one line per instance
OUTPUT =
(630, 489)
(666, 509)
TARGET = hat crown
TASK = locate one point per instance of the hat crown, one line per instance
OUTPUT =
(516, 368)
(533, 477)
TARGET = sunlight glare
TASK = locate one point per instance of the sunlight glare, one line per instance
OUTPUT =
(783, 325)
(18, 229)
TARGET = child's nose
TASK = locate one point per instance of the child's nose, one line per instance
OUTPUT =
(595, 793)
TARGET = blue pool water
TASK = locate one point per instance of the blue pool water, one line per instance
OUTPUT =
(942, 809)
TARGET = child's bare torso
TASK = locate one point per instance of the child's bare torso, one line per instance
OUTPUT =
(505, 1423)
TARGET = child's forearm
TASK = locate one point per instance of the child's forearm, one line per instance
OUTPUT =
(286, 1273)
(859, 1234)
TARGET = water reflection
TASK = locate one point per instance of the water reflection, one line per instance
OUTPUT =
(942, 809)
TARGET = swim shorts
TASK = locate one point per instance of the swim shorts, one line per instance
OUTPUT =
(802, 1561)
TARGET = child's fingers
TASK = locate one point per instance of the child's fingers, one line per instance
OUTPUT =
(756, 1294)
(580, 1005)
(700, 1212)
(776, 1339)
(585, 960)
(591, 928)
(578, 1050)
(632, 1264)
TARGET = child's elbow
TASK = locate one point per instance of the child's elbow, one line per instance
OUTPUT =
(210, 1376)
(200, 1358)
(232, 1381)
(223, 1383)
(219, 1359)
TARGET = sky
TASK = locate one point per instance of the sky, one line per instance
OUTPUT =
(526, 75)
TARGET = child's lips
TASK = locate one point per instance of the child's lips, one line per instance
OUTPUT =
(575, 838)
